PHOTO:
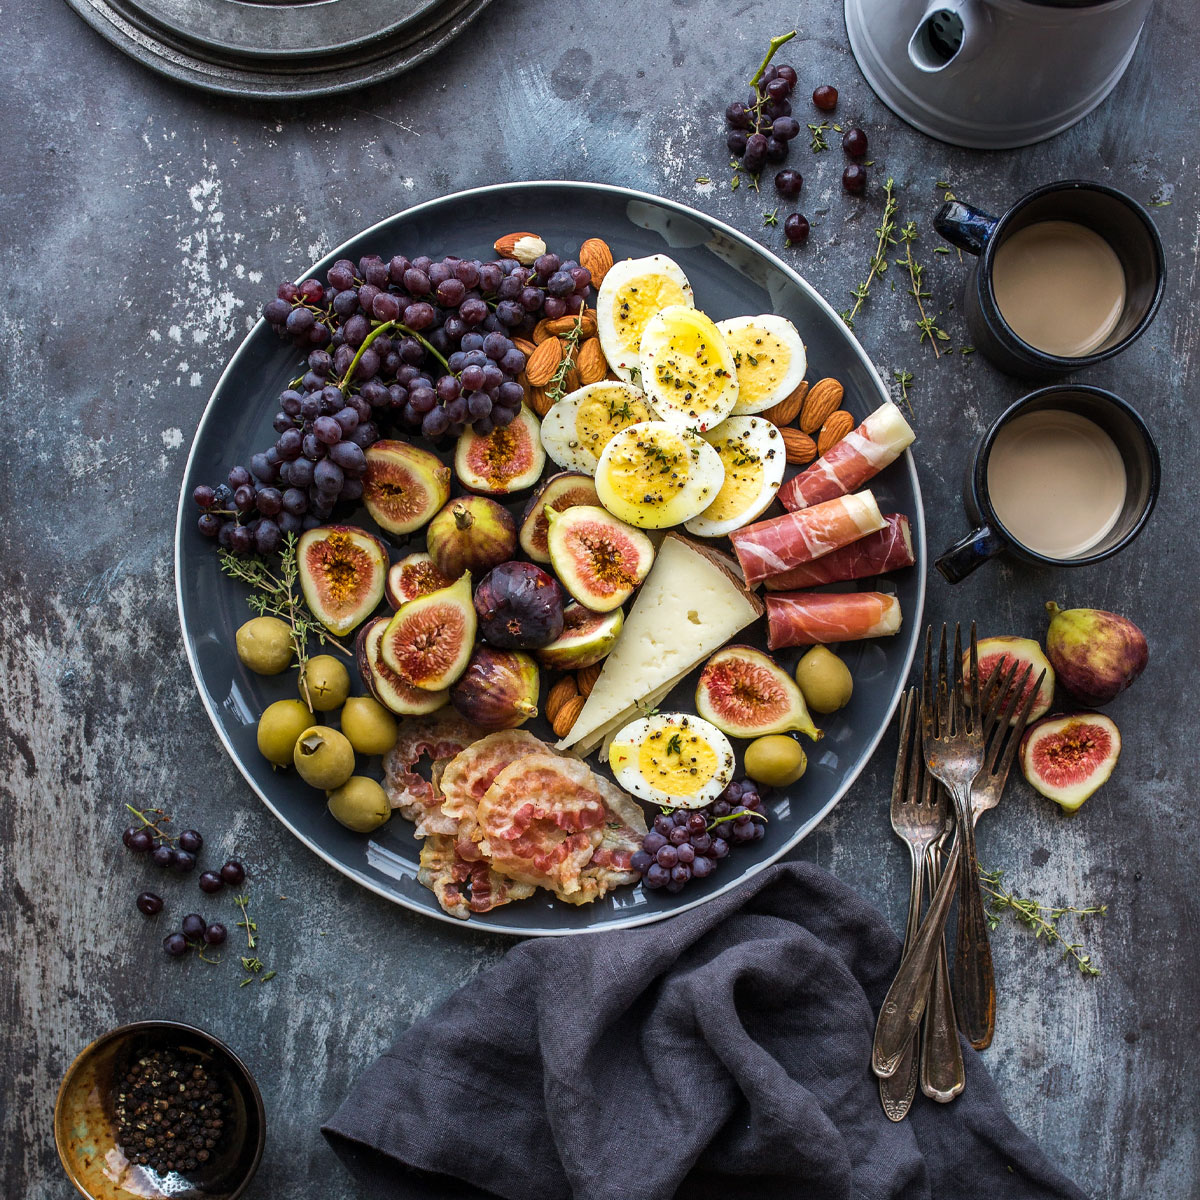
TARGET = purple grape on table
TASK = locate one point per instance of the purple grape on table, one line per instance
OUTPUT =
(194, 926)
(163, 856)
(215, 934)
(149, 903)
(211, 881)
(233, 873)
(175, 944)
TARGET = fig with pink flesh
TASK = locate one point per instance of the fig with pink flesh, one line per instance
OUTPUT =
(599, 559)
(413, 576)
(520, 607)
(498, 690)
(472, 534)
(745, 695)
(564, 490)
(403, 485)
(428, 642)
(1068, 758)
(1006, 653)
(508, 459)
(384, 684)
(586, 638)
(1097, 654)
(342, 571)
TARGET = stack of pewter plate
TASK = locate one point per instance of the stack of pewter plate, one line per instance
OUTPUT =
(268, 51)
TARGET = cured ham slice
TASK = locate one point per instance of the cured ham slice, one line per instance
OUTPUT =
(463, 887)
(439, 737)
(889, 549)
(772, 547)
(808, 618)
(859, 456)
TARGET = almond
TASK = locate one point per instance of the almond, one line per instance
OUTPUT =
(571, 381)
(597, 257)
(526, 348)
(788, 409)
(798, 447)
(824, 398)
(563, 325)
(526, 248)
(587, 677)
(591, 362)
(836, 426)
(567, 716)
(564, 690)
(543, 362)
(537, 399)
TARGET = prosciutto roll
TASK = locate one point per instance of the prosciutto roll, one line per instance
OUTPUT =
(859, 456)
(809, 618)
(772, 547)
(876, 554)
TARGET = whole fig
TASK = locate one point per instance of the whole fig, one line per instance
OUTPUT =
(520, 607)
(1096, 654)
(498, 690)
(472, 534)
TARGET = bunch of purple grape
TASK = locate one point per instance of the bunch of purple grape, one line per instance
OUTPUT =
(761, 132)
(688, 843)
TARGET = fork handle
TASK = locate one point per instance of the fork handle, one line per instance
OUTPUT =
(900, 1015)
(942, 1074)
(896, 1091)
(973, 975)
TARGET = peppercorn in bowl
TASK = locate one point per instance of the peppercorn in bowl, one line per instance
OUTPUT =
(156, 1109)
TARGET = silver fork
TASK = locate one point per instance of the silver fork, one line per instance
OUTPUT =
(942, 1073)
(906, 999)
(918, 819)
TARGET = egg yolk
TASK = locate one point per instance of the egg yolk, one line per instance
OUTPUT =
(604, 414)
(650, 469)
(676, 762)
(637, 301)
(761, 359)
(743, 479)
(688, 369)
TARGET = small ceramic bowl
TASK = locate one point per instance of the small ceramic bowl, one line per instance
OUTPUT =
(85, 1129)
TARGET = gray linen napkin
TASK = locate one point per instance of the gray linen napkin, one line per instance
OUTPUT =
(723, 1053)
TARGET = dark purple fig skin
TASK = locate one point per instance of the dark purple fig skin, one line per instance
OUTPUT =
(520, 607)
(498, 690)
(1095, 654)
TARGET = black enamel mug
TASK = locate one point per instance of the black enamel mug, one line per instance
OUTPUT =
(1119, 219)
(1139, 456)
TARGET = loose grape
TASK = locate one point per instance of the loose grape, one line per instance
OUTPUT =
(854, 179)
(233, 873)
(149, 903)
(796, 228)
(175, 944)
(825, 98)
(194, 926)
(854, 142)
(211, 882)
(788, 183)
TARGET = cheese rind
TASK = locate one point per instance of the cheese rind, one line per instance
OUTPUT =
(691, 604)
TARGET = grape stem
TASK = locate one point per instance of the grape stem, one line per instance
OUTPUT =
(149, 824)
(776, 42)
(384, 327)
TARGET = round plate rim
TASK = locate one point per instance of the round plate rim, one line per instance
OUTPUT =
(912, 624)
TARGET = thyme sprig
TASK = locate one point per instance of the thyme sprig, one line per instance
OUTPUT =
(817, 132)
(277, 595)
(878, 264)
(556, 388)
(916, 277)
(903, 380)
(1041, 918)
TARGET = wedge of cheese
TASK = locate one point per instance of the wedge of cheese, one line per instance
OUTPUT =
(692, 603)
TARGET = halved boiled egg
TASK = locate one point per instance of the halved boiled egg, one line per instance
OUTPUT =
(654, 476)
(753, 455)
(580, 425)
(769, 357)
(688, 371)
(675, 760)
(631, 293)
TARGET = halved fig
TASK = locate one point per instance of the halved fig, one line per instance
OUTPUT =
(744, 694)
(472, 534)
(509, 459)
(428, 642)
(413, 576)
(598, 559)
(384, 684)
(567, 489)
(1005, 652)
(403, 486)
(520, 606)
(342, 572)
(498, 690)
(1068, 758)
(587, 637)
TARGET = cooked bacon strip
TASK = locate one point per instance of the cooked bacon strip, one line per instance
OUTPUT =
(440, 737)
(448, 877)
(609, 866)
(772, 547)
(887, 550)
(806, 618)
(859, 456)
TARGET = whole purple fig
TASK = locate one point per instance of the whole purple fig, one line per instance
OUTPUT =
(520, 607)
(1096, 654)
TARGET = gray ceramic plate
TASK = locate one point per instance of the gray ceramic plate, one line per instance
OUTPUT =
(731, 275)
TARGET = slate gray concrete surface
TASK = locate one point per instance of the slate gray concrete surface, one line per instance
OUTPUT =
(143, 224)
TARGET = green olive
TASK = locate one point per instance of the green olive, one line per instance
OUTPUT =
(327, 681)
(360, 804)
(324, 757)
(369, 726)
(824, 680)
(279, 727)
(775, 760)
(264, 644)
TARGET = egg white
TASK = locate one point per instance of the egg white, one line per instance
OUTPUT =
(580, 425)
(640, 747)
(688, 371)
(753, 455)
(769, 357)
(632, 292)
(653, 476)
